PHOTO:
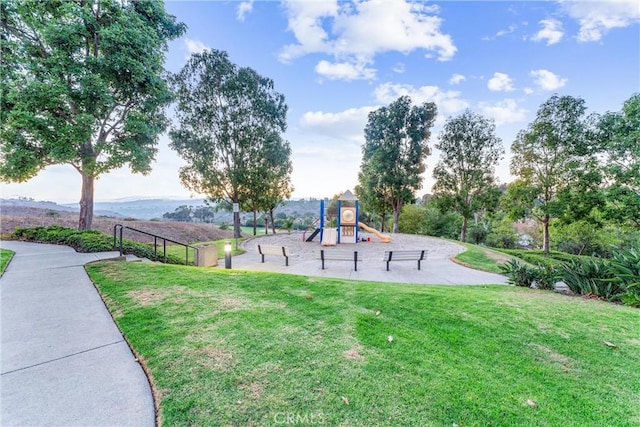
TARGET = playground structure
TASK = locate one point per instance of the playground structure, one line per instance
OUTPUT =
(348, 225)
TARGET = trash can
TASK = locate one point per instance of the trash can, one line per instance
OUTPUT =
(207, 256)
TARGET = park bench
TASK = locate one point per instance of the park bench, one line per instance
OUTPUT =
(274, 250)
(419, 255)
(341, 256)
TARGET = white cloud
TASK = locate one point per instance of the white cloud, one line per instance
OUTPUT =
(195, 46)
(456, 79)
(502, 33)
(399, 68)
(345, 71)
(551, 32)
(547, 80)
(528, 90)
(344, 30)
(244, 8)
(500, 82)
(503, 112)
(448, 102)
(345, 125)
(597, 18)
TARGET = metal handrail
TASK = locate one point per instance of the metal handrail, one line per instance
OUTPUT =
(155, 242)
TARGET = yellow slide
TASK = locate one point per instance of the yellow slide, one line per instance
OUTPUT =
(383, 237)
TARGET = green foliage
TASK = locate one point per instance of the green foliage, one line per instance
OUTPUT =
(546, 277)
(464, 175)
(412, 219)
(82, 84)
(88, 241)
(393, 155)
(625, 266)
(549, 158)
(619, 138)
(229, 123)
(518, 274)
(591, 277)
(502, 235)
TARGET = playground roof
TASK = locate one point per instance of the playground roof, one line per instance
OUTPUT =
(348, 196)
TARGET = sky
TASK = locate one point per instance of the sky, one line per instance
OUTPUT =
(337, 61)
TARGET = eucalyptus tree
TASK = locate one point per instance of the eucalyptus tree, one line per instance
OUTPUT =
(465, 174)
(81, 83)
(226, 115)
(394, 152)
(550, 157)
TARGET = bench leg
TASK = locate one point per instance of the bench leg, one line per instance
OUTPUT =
(262, 258)
(355, 260)
(387, 265)
(286, 261)
(418, 264)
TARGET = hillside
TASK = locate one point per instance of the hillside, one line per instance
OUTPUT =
(24, 216)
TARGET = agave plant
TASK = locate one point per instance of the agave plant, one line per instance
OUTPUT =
(518, 274)
(591, 277)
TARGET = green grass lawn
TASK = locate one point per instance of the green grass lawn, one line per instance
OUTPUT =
(481, 258)
(5, 257)
(231, 347)
(180, 251)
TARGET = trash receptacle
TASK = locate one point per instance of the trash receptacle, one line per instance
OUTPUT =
(207, 256)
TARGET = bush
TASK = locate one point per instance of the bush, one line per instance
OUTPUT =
(88, 241)
(518, 274)
(546, 277)
(591, 277)
(625, 267)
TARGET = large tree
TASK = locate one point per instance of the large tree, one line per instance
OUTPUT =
(395, 151)
(619, 137)
(226, 117)
(551, 156)
(465, 174)
(82, 84)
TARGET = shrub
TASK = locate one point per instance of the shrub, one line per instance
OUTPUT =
(88, 241)
(591, 277)
(546, 277)
(518, 274)
(625, 266)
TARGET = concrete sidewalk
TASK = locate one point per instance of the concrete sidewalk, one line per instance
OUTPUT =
(63, 361)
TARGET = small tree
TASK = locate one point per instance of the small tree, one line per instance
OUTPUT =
(464, 175)
(81, 83)
(395, 151)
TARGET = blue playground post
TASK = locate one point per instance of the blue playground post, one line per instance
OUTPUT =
(321, 219)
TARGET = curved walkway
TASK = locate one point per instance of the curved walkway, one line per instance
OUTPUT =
(63, 360)
(438, 269)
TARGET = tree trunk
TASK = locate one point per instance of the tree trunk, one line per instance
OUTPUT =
(396, 217)
(383, 218)
(545, 234)
(463, 232)
(236, 225)
(86, 202)
(255, 221)
(266, 225)
(273, 223)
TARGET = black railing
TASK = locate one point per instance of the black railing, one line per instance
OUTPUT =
(119, 228)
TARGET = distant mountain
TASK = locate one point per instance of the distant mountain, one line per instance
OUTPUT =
(40, 204)
(144, 208)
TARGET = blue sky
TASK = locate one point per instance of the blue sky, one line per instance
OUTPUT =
(337, 61)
